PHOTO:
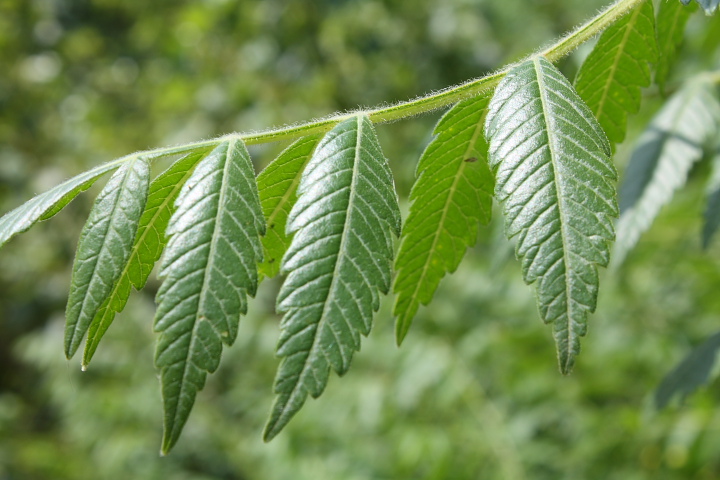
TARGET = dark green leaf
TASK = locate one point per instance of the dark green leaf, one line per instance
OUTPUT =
(104, 247)
(451, 197)
(690, 374)
(557, 183)
(661, 161)
(671, 20)
(338, 263)
(277, 185)
(49, 203)
(611, 77)
(208, 268)
(712, 209)
(149, 243)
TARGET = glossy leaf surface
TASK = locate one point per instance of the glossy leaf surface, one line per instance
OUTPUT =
(338, 264)
(104, 247)
(208, 269)
(557, 183)
(147, 248)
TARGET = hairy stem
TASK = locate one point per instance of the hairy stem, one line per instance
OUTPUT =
(420, 105)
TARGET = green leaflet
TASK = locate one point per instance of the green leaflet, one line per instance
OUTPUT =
(712, 209)
(208, 268)
(104, 247)
(690, 374)
(451, 197)
(671, 20)
(338, 263)
(709, 5)
(660, 163)
(49, 203)
(611, 77)
(277, 184)
(556, 180)
(147, 248)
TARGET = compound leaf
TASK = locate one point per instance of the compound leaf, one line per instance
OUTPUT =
(660, 163)
(451, 197)
(557, 183)
(611, 77)
(277, 184)
(104, 247)
(148, 246)
(338, 263)
(49, 203)
(208, 269)
(671, 20)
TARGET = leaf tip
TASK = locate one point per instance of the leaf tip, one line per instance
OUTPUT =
(401, 329)
(271, 430)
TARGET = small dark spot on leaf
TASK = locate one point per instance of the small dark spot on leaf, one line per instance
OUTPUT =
(471, 160)
(272, 260)
(272, 225)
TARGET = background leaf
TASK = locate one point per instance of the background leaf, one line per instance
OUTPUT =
(660, 163)
(450, 198)
(709, 5)
(712, 209)
(556, 180)
(49, 203)
(611, 77)
(104, 247)
(671, 20)
(337, 265)
(277, 184)
(208, 268)
(690, 374)
(148, 246)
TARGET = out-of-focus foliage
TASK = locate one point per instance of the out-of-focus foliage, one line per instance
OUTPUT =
(474, 391)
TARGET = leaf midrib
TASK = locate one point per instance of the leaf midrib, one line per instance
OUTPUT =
(103, 247)
(545, 102)
(134, 253)
(202, 294)
(616, 61)
(341, 249)
(441, 223)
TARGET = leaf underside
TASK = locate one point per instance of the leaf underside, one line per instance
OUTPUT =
(611, 77)
(556, 180)
(660, 163)
(338, 263)
(47, 204)
(450, 198)
(104, 247)
(209, 267)
(671, 20)
(277, 184)
(147, 247)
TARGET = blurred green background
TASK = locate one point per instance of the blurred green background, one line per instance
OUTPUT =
(473, 393)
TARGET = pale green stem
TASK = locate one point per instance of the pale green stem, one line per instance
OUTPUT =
(420, 105)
